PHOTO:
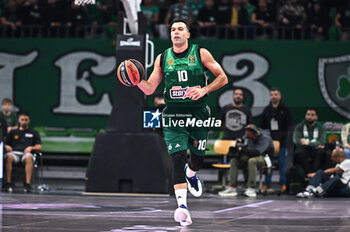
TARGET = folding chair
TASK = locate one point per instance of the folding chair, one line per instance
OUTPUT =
(18, 171)
(222, 147)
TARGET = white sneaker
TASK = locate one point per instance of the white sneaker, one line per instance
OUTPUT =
(306, 194)
(194, 184)
(228, 192)
(300, 195)
(250, 192)
(183, 216)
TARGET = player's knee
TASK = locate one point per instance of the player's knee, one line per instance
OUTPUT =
(196, 162)
(179, 161)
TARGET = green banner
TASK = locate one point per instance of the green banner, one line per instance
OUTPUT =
(70, 82)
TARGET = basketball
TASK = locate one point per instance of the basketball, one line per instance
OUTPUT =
(130, 72)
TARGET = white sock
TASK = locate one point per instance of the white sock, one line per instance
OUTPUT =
(190, 173)
(181, 197)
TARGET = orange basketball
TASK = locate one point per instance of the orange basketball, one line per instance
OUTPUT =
(130, 72)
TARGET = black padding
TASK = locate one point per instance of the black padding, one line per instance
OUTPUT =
(179, 161)
(196, 162)
(133, 162)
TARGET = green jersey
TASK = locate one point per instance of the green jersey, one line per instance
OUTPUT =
(11, 119)
(181, 74)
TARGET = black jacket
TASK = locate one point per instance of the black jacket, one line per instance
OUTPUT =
(284, 120)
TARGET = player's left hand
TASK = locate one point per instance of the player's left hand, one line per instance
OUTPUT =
(196, 93)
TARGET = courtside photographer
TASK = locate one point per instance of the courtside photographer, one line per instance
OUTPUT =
(251, 152)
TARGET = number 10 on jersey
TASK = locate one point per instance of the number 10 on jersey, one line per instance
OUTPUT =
(182, 75)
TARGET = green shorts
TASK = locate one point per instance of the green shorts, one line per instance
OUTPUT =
(186, 127)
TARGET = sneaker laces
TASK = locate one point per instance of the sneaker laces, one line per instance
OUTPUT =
(193, 181)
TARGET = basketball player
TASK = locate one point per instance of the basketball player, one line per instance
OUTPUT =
(183, 67)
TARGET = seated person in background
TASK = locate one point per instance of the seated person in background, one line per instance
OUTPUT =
(332, 181)
(76, 17)
(263, 19)
(309, 139)
(20, 144)
(179, 10)
(345, 138)
(11, 18)
(238, 20)
(291, 18)
(151, 13)
(207, 18)
(250, 152)
(318, 21)
(342, 21)
(54, 18)
(32, 15)
(8, 114)
(235, 116)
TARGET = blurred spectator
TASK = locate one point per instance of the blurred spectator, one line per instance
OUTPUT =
(318, 21)
(235, 116)
(163, 6)
(309, 138)
(111, 27)
(32, 18)
(250, 152)
(54, 18)
(223, 16)
(345, 138)
(76, 17)
(207, 19)
(277, 118)
(179, 10)
(8, 114)
(151, 13)
(11, 18)
(99, 14)
(291, 17)
(195, 5)
(342, 21)
(264, 20)
(20, 145)
(249, 7)
(332, 182)
(238, 18)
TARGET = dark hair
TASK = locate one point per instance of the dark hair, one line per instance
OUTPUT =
(275, 89)
(238, 89)
(180, 20)
(253, 128)
(312, 109)
(23, 113)
(6, 100)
